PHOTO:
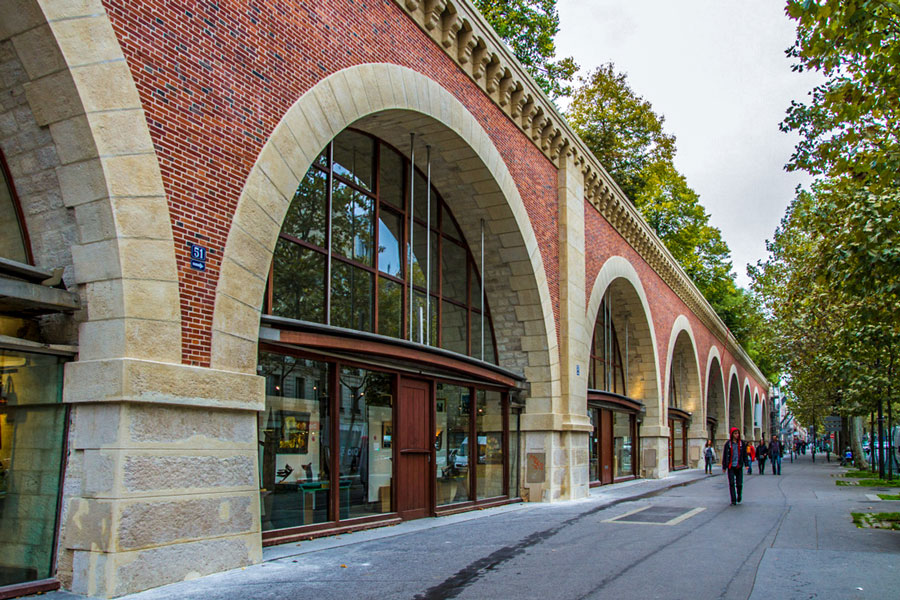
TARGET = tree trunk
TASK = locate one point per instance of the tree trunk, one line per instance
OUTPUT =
(856, 430)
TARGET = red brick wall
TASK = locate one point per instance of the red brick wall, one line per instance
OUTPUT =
(601, 242)
(215, 78)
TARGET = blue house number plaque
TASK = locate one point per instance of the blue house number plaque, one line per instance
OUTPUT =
(198, 257)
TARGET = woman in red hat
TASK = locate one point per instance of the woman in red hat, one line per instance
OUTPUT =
(734, 457)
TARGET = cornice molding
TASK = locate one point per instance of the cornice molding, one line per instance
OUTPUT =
(460, 30)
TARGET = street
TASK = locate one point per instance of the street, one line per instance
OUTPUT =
(792, 537)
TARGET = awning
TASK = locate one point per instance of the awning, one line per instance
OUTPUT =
(27, 291)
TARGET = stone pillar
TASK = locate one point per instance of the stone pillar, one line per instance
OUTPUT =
(654, 451)
(169, 481)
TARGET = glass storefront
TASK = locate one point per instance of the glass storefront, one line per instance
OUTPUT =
(451, 443)
(316, 410)
(294, 442)
(611, 454)
(677, 443)
(32, 438)
(366, 401)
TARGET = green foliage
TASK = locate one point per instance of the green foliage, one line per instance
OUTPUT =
(621, 129)
(850, 127)
(629, 140)
(529, 28)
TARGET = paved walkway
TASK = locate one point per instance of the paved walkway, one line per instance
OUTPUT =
(790, 538)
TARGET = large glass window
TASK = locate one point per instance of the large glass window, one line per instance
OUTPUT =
(12, 238)
(32, 432)
(294, 443)
(366, 469)
(606, 368)
(623, 444)
(491, 447)
(452, 443)
(360, 185)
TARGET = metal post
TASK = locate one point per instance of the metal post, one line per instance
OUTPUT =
(409, 253)
(890, 441)
(328, 218)
(428, 245)
(482, 289)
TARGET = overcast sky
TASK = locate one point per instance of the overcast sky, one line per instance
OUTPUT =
(716, 70)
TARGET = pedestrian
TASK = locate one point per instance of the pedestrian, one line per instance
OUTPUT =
(751, 456)
(709, 454)
(775, 455)
(734, 457)
(762, 452)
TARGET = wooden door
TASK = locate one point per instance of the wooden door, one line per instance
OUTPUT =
(414, 469)
(606, 447)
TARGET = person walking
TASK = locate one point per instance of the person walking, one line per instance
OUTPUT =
(709, 454)
(762, 452)
(734, 457)
(751, 456)
(775, 455)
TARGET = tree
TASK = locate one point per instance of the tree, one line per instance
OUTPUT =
(850, 127)
(620, 128)
(529, 28)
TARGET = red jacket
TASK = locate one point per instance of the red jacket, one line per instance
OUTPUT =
(726, 454)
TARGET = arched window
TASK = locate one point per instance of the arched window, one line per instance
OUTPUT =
(606, 367)
(673, 387)
(13, 240)
(343, 253)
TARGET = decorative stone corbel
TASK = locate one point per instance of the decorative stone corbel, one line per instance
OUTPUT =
(433, 10)
(480, 59)
(450, 27)
(466, 43)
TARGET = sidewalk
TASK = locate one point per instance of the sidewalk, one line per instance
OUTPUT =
(599, 498)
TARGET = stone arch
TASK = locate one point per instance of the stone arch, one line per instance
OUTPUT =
(631, 309)
(735, 416)
(757, 416)
(389, 100)
(81, 89)
(747, 413)
(716, 406)
(682, 362)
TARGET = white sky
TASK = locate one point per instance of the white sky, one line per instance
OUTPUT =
(716, 70)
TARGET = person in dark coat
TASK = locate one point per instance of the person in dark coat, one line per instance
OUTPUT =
(762, 452)
(775, 455)
(734, 458)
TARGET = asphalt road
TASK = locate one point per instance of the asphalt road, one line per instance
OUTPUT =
(792, 537)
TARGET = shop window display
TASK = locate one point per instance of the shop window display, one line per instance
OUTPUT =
(491, 447)
(294, 443)
(452, 443)
(32, 434)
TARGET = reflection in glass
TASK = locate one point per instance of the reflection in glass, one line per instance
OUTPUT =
(489, 425)
(489, 342)
(448, 226)
(678, 442)
(12, 242)
(419, 319)
(352, 296)
(452, 443)
(352, 226)
(453, 270)
(390, 308)
(392, 174)
(366, 467)
(421, 205)
(390, 232)
(475, 335)
(306, 217)
(623, 444)
(594, 469)
(353, 158)
(294, 451)
(298, 289)
(32, 425)
(453, 327)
